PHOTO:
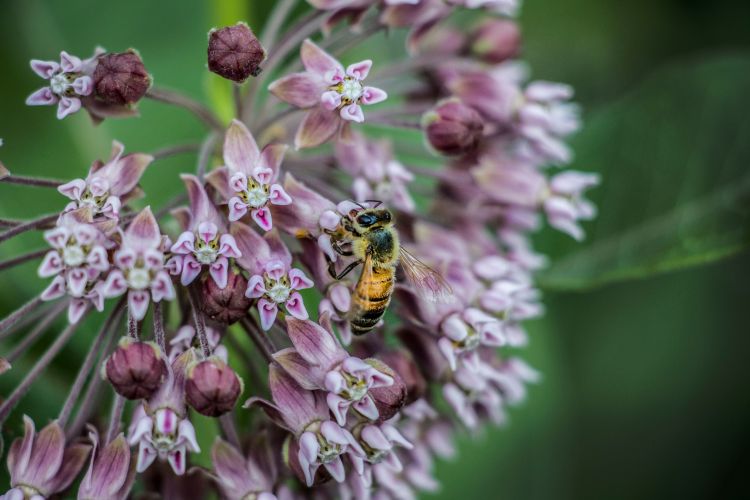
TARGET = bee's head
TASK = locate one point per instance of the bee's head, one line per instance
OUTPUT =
(370, 218)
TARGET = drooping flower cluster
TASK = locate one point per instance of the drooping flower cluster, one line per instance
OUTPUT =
(433, 251)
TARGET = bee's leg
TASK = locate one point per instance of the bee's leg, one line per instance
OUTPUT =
(347, 269)
(337, 248)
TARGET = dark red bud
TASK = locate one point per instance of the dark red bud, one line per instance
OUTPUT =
(136, 369)
(406, 369)
(121, 78)
(496, 40)
(235, 53)
(389, 400)
(212, 387)
(453, 128)
(225, 305)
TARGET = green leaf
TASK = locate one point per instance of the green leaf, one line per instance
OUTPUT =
(674, 157)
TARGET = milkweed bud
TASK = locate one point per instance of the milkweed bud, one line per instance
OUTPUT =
(121, 78)
(407, 373)
(235, 53)
(212, 387)
(228, 304)
(388, 399)
(496, 40)
(453, 128)
(135, 369)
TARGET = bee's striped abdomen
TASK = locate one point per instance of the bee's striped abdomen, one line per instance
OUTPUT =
(370, 299)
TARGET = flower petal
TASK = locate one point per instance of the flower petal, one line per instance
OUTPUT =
(228, 247)
(51, 265)
(373, 95)
(241, 152)
(317, 127)
(299, 89)
(45, 69)
(138, 301)
(314, 343)
(219, 271)
(237, 209)
(69, 63)
(255, 287)
(296, 306)
(146, 456)
(262, 217)
(42, 97)
(278, 196)
(317, 60)
(359, 70)
(271, 158)
(67, 106)
(330, 100)
(268, 311)
(352, 112)
(191, 268)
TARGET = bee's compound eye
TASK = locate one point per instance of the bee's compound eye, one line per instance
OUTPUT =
(366, 220)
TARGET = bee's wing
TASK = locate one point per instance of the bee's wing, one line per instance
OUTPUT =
(427, 282)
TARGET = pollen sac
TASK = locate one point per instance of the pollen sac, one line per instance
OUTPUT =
(235, 53)
(212, 387)
(496, 41)
(136, 369)
(453, 128)
(121, 78)
(225, 305)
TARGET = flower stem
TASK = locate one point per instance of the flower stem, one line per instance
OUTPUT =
(21, 259)
(9, 223)
(28, 226)
(89, 400)
(196, 108)
(159, 334)
(177, 149)
(133, 329)
(229, 429)
(306, 26)
(30, 377)
(40, 328)
(205, 154)
(31, 181)
(258, 339)
(19, 313)
(108, 327)
(278, 15)
(200, 324)
(115, 418)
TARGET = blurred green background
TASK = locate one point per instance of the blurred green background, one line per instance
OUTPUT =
(644, 348)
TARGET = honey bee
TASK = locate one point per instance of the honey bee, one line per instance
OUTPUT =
(370, 237)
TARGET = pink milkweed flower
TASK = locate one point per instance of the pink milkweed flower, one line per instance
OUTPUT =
(504, 7)
(378, 442)
(319, 362)
(241, 477)
(249, 180)
(467, 331)
(139, 266)
(333, 94)
(42, 464)
(185, 336)
(205, 243)
(108, 185)
(318, 440)
(77, 261)
(161, 427)
(273, 281)
(69, 81)
(377, 174)
(111, 472)
(565, 205)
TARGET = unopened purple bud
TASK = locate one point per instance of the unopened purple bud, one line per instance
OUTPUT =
(496, 40)
(453, 128)
(228, 304)
(136, 369)
(121, 78)
(407, 373)
(235, 53)
(212, 387)
(388, 399)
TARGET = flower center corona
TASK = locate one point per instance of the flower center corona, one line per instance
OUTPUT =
(73, 256)
(59, 84)
(350, 90)
(206, 252)
(139, 278)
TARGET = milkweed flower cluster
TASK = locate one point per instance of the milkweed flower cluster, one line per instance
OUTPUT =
(281, 248)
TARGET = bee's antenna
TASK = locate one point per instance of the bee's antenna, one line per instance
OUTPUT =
(376, 202)
(360, 205)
